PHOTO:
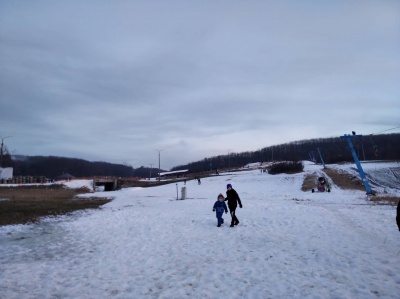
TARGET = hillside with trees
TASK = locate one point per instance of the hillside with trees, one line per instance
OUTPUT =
(52, 167)
(333, 150)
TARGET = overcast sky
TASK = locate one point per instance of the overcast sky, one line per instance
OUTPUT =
(116, 81)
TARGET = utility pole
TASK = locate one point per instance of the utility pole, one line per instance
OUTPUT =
(272, 154)
(312, 158)
(1, 150)
(229, 159)
(362, 147)
(151, 167)
(360, 169)
(159, 163)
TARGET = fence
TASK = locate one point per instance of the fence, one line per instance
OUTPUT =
(24, 180)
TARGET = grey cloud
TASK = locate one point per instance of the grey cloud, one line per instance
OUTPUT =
(113, 81)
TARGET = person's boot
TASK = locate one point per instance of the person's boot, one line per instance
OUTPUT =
(222, 220)
(232, 225)
(237, 222)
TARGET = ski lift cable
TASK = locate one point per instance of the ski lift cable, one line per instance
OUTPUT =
(375, 147)
(370, 135)
(385, 131)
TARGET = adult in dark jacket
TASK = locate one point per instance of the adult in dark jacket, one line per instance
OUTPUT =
(398, 215)
(233, 200)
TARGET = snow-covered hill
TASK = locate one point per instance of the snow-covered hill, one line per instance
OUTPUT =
(384, 177)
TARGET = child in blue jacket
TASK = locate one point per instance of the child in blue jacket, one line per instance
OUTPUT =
(219, 208)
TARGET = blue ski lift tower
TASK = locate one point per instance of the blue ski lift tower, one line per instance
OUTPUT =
(359, 167)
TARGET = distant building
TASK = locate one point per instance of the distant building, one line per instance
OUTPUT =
(176, 173)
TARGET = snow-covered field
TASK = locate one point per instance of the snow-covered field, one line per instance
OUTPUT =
(147, 244)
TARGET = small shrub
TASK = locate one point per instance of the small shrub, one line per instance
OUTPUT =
(286, 167)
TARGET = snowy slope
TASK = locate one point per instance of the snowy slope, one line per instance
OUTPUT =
(384, 177)
(147, 244)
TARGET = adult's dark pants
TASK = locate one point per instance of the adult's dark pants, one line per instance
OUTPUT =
(233, 215)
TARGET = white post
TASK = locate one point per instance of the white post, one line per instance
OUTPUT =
(183, 193)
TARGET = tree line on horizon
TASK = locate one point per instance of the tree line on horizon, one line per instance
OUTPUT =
(53, 167)
(332, 150)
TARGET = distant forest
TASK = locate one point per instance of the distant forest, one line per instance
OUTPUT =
(332, 150)
(53, 167)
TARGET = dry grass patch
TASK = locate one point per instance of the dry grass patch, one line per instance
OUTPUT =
(385, 200)
(344, 179)
(309, 182)
(341, 179)
(24, 204)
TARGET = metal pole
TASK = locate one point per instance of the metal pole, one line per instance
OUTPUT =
(1, 150)
(229, 159)
(362, 146)
(151, 167)
(159, 164)
(312, 157)
(322, 160)
(359, 167)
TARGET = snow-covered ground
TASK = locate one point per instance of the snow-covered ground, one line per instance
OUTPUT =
(147, 244)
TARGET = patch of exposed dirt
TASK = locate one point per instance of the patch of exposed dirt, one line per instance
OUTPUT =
(309, 182)
(26, 204)
(344, 179)
(341, 179)
(385, 200)
(347, 181)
